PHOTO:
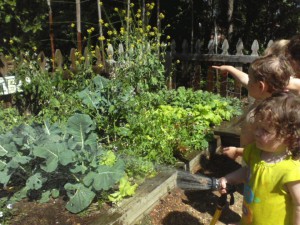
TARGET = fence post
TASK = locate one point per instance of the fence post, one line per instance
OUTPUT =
(237, 84)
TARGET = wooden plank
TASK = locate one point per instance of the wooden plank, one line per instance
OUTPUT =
(224, 59)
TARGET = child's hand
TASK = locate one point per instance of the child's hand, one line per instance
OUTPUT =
(223, 69)
(222, 185)
(230, 152)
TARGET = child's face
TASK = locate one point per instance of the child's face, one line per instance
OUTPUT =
(266, 138)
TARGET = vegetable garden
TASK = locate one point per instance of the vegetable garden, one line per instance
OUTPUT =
(95, 136)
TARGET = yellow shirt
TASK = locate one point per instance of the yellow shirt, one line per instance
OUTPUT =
(266, 200)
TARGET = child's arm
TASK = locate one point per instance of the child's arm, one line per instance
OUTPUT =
(294, 190)
(237, 74)
(236, 177)
(294, 85)
(233, 152)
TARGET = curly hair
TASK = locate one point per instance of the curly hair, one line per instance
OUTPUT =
(272, 69)
(282, 111)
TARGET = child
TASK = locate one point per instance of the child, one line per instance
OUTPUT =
(267, 75)
(278, 48)
(272, 171)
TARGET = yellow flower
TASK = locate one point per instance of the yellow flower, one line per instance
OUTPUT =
(115, 32)
(101, 38)
(131, 4)
(72, 25)
(101, 21)
(100, 65)
(138, 15)
(168, 25)
(139, 11)
(11, 41)
(141, 30)
(168, 37)
(89, 31)
(148, 28)
(116, 9)
(106, 24)
(148, 13)
(152, 33)
(101, 3)
(122, 30)
(92, 29)
(177, 61)
(82, 58)
(34, 48)
(109, 32)
(161, 16)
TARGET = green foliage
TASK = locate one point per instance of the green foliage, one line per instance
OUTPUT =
(48, 96)
(157, 133)
(10, 118)
(21, 25)
(125, 189)
(49, 160)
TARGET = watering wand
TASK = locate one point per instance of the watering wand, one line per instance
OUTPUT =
(196, 182)
(222, 201)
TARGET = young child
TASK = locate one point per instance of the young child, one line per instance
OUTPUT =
(267, 75)
(271, 174)
(280, 47)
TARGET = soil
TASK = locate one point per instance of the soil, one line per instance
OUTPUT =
(177, 208)
(181, 207)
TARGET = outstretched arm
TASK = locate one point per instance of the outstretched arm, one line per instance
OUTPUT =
(237, 74)
(294, 190)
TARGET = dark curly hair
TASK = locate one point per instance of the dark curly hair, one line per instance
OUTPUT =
(282, 111)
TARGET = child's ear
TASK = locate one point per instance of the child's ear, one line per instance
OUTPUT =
(263, 87)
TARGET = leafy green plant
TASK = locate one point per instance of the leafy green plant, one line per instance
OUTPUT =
(176, 122)
(48, 161)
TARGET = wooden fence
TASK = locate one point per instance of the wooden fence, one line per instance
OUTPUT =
(194, 69)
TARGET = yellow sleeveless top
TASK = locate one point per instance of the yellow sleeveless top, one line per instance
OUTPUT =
(266, 200)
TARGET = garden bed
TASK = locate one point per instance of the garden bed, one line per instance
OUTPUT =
(148, 205)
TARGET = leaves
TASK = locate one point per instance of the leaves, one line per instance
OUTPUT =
(54, 153)
(81, 198)
(105, 176)
(79, 126)
(35, 182)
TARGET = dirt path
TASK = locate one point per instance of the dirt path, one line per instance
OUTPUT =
(198, 207)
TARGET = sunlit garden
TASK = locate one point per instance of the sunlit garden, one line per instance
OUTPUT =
(90, 123)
